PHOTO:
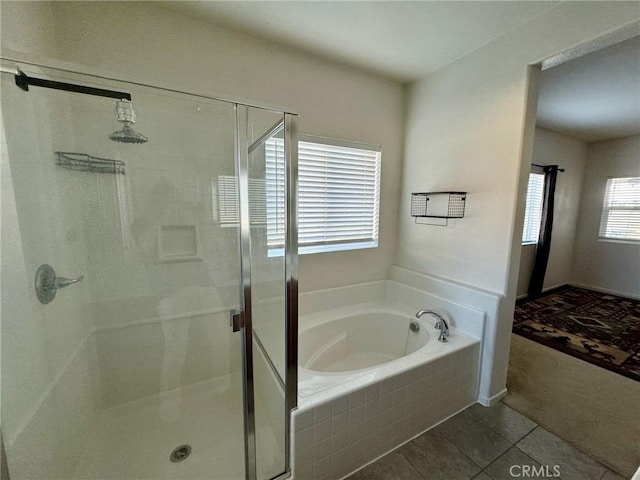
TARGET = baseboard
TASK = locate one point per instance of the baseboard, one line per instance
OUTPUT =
(544, 290)
(606, 290)
(553, 287)
(489, 401)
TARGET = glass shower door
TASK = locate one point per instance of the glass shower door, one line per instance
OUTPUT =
(266, 180)
(132, 371)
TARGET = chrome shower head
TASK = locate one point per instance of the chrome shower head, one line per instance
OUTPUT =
(128, 135)
(127, 116)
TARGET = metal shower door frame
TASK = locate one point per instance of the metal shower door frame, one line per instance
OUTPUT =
(242, 149)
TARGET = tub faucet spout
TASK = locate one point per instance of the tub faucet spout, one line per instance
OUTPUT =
(441, 323)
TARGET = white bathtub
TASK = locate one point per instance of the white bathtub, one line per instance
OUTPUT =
(347, 347)
(359, 342)
(367, 384)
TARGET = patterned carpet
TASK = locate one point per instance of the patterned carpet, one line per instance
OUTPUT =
(601, 329)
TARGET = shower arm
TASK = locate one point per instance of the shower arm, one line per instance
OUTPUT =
(24, 81)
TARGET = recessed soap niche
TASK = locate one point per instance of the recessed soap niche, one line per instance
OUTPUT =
(178, 243)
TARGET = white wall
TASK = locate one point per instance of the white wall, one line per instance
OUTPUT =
(465, 131)
(142, 41)
(151, 327)
(51, 383)
(607, 265)
(552, 148)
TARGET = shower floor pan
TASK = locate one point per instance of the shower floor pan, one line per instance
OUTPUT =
(135, 440)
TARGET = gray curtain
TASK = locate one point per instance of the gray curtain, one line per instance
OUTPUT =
(546, 226)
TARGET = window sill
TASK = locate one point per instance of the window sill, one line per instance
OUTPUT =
(619, 240)
(338, 247)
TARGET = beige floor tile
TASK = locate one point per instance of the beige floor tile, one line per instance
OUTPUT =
(438, 459)
(609, 475)
(475, 439)
(550, 450)
(514, 464)
(393, 466)
(504, 420)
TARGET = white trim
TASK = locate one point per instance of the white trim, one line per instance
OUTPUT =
(326, 248)
(557, 285)
(609, 291)
(544, 290)
(598, 43)
(489, 401)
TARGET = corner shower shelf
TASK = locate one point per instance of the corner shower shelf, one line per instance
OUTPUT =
(87, 163)
(438, 205)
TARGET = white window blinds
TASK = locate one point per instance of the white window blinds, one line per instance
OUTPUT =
(229, 201)
(533, 209)
(338, 196)
(275, 185)
(621, 210)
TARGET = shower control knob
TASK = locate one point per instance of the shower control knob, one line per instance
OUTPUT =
(47, 283)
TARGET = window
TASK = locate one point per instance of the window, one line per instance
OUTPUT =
(621, 210)
(533, 209)
(228, 207)
(338, 195)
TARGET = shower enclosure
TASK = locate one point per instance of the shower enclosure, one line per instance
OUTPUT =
(159, 338)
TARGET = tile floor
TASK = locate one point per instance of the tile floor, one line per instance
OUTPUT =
(483, 444)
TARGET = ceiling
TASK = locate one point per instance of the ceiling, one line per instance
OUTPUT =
(594, 97)
(404, 41)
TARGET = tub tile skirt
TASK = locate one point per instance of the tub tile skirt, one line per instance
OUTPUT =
(333, 439)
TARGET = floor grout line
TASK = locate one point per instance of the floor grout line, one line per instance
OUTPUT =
(606, 469)
(498, 433)
(534, 429)
(474, 417)
(463, 453)
(454, 446)
(484, 470)
(412, 465)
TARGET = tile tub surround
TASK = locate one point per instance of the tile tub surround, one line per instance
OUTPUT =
(333, 437)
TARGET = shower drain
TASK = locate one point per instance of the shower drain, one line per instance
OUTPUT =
(180, 453)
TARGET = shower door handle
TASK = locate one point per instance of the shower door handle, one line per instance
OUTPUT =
(237, 320)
